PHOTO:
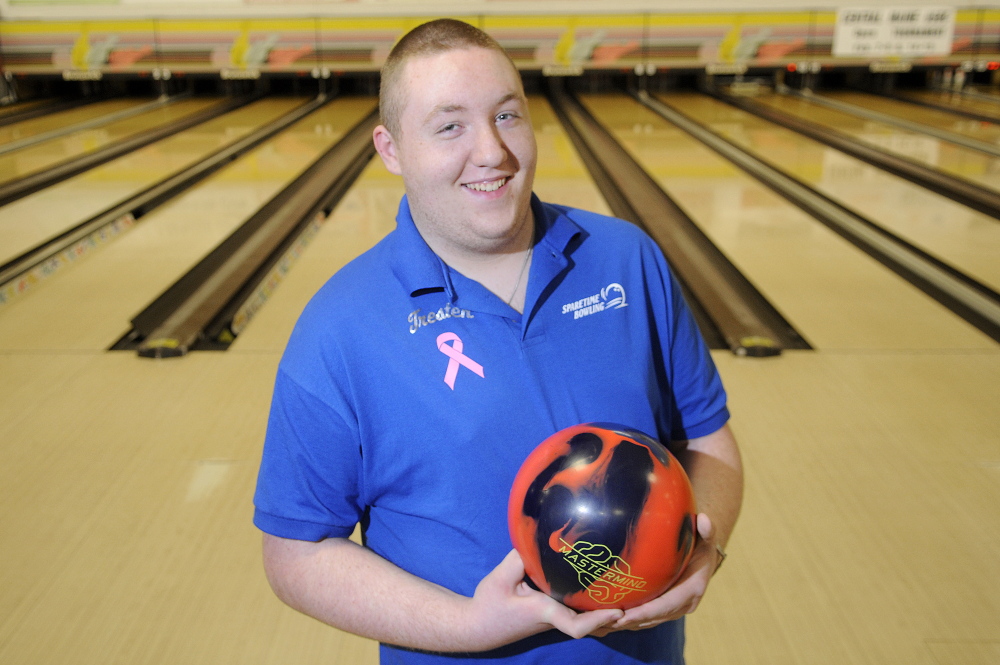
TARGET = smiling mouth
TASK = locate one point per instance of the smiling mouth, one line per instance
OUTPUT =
(491, 186)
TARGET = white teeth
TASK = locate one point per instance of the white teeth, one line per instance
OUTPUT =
(487, 186)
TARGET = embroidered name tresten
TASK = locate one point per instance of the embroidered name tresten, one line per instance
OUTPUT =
(418, 320)
(611, 296)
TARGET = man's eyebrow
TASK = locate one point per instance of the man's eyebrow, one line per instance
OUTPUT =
(444, 108)
(452, 108)
(510, 96)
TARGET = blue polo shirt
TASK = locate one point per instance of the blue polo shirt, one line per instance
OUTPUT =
(409, 395)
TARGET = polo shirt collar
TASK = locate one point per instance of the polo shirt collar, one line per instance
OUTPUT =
(414, 263)
(557, 238)
(553, 228)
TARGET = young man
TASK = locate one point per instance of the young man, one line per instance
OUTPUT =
(410, 410)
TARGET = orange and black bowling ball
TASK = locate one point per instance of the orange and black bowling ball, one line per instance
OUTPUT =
(602, 516)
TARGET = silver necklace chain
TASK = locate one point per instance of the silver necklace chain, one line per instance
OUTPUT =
(527, 257)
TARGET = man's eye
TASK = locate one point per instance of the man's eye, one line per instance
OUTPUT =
(506, 115)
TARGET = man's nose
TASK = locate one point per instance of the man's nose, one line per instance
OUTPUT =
(489, 149)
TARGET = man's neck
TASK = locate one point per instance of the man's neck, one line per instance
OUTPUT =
(502, 269)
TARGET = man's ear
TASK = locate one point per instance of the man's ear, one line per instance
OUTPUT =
(385, 145)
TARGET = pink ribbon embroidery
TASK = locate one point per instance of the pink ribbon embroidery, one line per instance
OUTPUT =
(454, 353)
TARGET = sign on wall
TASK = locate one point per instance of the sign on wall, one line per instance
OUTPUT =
(893, 31)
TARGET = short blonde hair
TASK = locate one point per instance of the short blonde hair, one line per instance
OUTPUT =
(430, 38)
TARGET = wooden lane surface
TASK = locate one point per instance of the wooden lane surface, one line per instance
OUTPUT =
(859, 541)
(127, 533)
(941, 119)
(127, 520)
(35, 218)
(44, 155)
(89, 305)
(954, 100)
(947, 230)
(870, 532)
(836, 296)
(20, 107)
(68, 118)
(972, 165)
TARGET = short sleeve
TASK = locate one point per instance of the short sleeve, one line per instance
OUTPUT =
(308, 484)
(697, 394)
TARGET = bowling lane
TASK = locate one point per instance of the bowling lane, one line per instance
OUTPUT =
(834, 294)
(991, 93)
(35, 218)
(48, 153)
(958, 235)
(362, 218)
(561, 177)
(90, 305)
(122, 474)
(870, 528)
(955, 100)
(938, 118)
(58, 120)
(959, 161)
(20, 107)
(368, 212)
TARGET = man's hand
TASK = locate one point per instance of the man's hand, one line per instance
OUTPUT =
(506, 604)
(684, 596)
(350, 587)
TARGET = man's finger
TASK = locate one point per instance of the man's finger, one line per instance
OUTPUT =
(578, 625)
(704, 525)
(512, 567)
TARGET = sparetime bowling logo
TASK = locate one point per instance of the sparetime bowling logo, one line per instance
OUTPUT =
(611, 296)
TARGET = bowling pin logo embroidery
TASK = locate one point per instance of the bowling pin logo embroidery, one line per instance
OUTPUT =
(456, 358)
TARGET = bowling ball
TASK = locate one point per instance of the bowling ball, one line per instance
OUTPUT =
(603, 516)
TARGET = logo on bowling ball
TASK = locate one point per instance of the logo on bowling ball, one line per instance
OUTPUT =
(602, 516)
(606, 577)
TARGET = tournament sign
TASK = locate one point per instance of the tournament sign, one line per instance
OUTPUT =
(893, 31)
